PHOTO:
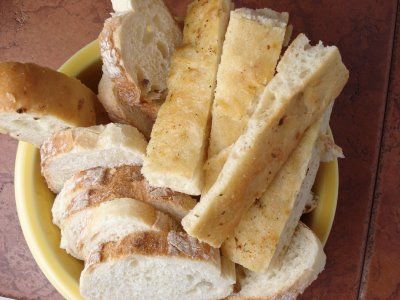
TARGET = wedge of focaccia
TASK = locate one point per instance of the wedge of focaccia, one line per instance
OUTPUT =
(252, 47)
(267, 227)
(309, 78)
(178, 144)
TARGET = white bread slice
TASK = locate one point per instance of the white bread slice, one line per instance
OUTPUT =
(309, 78)
(87, 190)
(114, 219)
(116, 111)
(289, 277)
(84, 231)
(178, 145)
(72, 150)
(156, 265)
(136, 48)
(36, 102)
(252, 47)
(267, 227)
(91, 187)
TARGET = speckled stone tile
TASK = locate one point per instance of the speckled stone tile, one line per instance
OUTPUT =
(381, 278)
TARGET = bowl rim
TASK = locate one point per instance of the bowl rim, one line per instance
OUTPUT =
(64, 284)
(25, 158)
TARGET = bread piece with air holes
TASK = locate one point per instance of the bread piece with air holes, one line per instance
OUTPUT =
(178, 144)
(291, 275)
(114, 219)
(89, 189)
(84, 231)
(36, 102)
(94, 186)
(251, 50)
(136, 47)
(267, 227)
(157, 265)
(72, 150)
(309, 78)
(252, 47)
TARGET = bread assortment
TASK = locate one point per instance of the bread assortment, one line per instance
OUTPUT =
(292, 101)
(217, 111)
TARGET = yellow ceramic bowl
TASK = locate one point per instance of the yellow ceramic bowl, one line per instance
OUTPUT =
(34, 200)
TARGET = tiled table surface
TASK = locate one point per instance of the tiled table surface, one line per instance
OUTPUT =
(364, 247)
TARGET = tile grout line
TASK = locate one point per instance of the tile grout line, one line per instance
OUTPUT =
(396, 35)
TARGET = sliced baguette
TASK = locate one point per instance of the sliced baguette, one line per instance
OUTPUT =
(36, 102)
(267, 227)
(156, 265)
(177, 149)
(116, 111)
(84, 231)
(72, 150)
(136, 47)
(91, 187)
(252, 47)
(291, 275)
(309, 78)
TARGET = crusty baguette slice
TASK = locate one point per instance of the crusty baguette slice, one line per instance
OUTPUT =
(116, 111)
(177, 149)
(36, 102)
(136, 47)
(291, 275)
(72, 150)
(84, 231)
(267, 227)
(91, 187)
(252, 47)
(309, 78)
(156, 265)
(114, 219)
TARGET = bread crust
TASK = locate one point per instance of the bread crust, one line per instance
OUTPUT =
(93, 140)
(126, 104)
(91, 187)
(158, 243)
(29, 89)
(85, 230)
